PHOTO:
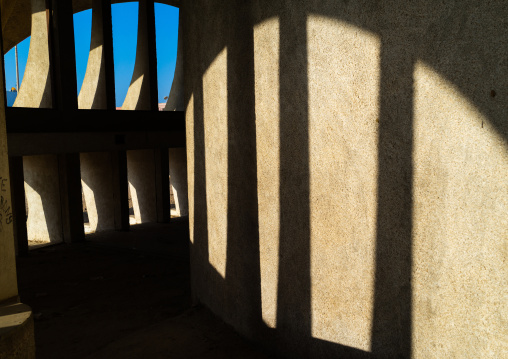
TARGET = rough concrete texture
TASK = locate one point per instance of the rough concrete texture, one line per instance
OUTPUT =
(8, 284)
(93, 90)
(44, 222)
(138, 94)
(16, 325)
(178, 179)
(347, 174)
(16, 331)
(141, 174)
(35, 89)
(97, 183)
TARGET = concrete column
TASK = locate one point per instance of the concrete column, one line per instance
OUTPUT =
(93, 90)
(139, 93)
(178, 179)
(8, 281)
(16, 322)
(120, 189)
(96, 169)
(142, 95)
(44, 223)
(40, 172)
(175, 98)
(18, 204)
(178, 156)
(96, 179)
(141, 168)
(70, 197)
(35, 90)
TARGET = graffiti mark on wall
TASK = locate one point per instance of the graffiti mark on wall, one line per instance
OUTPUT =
(5, 208)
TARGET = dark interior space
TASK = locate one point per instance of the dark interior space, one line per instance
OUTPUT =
(123, 295)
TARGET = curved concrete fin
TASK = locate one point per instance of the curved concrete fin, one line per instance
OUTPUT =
(35, 90)
(138, 95)
(93, 91)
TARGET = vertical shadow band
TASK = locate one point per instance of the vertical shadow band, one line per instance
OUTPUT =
(391, 330)
(294, 286)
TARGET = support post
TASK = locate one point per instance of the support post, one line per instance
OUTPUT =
(160, 155)
(63, 56)
(18, 204)
(70, 198)
(118, 158)
(162, 185)
(120, 189)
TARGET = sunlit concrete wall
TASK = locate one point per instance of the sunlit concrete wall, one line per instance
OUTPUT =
(347, 174)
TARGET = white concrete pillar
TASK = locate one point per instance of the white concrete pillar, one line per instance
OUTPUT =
(35, 90)
(96, 170)
(93, 91)
(141, 168)
(96, 179)
(141, 164)
(44, 223)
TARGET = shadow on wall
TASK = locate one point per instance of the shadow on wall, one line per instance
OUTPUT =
(232, 286)
(44, 223)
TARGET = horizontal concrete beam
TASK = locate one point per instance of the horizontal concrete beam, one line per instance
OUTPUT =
(28, 144)
(37, 120)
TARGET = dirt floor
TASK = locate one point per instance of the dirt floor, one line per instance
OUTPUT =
(123, 295)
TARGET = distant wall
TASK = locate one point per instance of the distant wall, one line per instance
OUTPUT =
(347, 174)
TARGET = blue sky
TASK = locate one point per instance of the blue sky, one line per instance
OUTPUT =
(124, 18)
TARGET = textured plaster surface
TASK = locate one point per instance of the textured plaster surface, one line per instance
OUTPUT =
(141, 174)
(97, 182)
(381, 160)
(93, 90)
(138, 94)
(44, 222)
(35, 89)
(8, 282)
(178, 179)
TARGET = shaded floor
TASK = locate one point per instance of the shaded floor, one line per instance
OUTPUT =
(122, 295)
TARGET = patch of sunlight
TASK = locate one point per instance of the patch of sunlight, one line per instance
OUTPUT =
(215, 115)
(343, 87)
(91, 208)
(37, 227)
(135, 205)
(459, 220)
(189, 129)
(133, 94)
(266, 72)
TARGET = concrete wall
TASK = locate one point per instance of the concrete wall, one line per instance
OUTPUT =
(8, 280)
(347, 170)
(42, 190)
(16, 322)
